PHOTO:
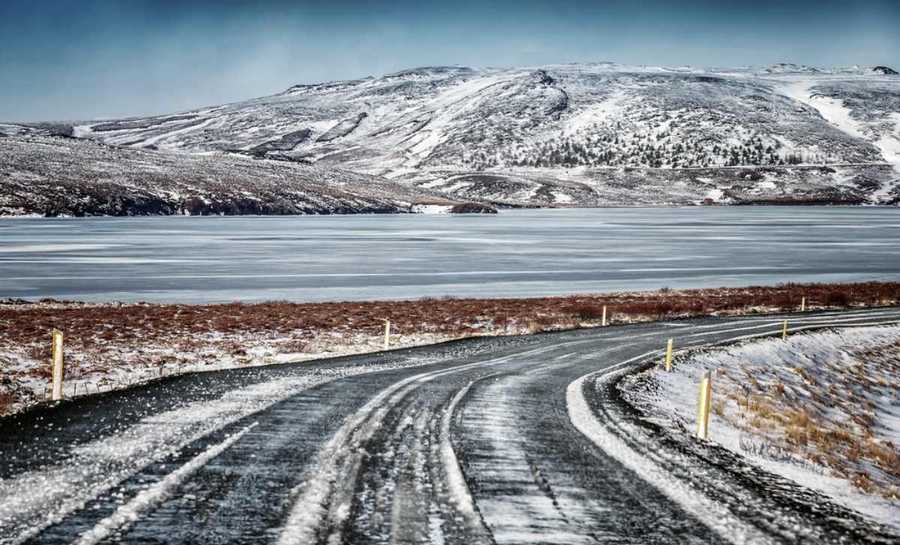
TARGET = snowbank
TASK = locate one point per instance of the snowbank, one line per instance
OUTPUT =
(820, 409)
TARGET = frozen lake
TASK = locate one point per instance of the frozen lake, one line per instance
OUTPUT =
(517, 253)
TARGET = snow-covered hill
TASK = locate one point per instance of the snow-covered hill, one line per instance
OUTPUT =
(575, 134)
(63, 176)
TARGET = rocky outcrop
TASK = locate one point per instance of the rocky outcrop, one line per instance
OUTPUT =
(472, 208)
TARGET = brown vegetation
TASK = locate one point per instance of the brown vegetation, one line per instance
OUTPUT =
(30, 323)
(107, 338)
(827, 417)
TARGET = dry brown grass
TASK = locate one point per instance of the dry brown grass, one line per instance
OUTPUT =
(6, 401)
(113, 336)
(833, 423)
(29, 324)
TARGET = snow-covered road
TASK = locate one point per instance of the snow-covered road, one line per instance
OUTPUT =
(488, 440)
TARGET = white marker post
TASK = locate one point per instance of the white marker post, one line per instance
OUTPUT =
(669, 355)
(387, 334)
(603, 320)
(784, 331)
(803, 304)
(703, 405)
(57, 364)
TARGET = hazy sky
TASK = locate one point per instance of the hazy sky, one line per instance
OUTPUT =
(79, 59)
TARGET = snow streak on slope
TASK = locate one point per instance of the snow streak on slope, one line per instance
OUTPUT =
(832, 109)
(889, 142)
(885, 137)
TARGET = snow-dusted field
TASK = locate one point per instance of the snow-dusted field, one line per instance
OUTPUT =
(821, 409)
(113, 345)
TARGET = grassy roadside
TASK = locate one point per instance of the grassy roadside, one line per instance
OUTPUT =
(108, 345)
(819, 408)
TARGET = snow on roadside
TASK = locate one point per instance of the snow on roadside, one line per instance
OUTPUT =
(97, 467)
(709, 512)
(92, 371)
(112, 345)
(820, 409)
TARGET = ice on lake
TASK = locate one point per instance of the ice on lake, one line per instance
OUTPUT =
(515, 253)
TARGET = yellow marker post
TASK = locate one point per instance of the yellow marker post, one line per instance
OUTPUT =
(669, 355)
(784, 331)
(57, 366)
(603, 320)
(704, 403)
(387, 334)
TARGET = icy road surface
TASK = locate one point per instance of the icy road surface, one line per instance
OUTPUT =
(492, 440)
(518, 253)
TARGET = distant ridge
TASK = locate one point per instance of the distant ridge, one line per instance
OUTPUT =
(588, 134)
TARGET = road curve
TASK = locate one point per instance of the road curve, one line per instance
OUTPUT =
(488, 440)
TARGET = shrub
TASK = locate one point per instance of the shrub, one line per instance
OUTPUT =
(587, 311)
(837, 298)
(6, 401)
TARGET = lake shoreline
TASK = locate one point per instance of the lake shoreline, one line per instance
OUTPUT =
(112, 345)
(498, 208)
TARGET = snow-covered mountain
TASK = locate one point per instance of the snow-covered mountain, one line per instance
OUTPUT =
(575, 134)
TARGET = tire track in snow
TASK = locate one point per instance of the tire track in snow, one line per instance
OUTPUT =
(156, 493)
(712, 514)
(89, 476)
(324, 499)
(45, 496)
(536, 480)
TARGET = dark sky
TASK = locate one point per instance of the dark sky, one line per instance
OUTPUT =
(79, 59)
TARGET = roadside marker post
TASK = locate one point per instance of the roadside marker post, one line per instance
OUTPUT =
(387, 334)
(703, 405)
(803, 304)
(669, 355)
(784, 331)
(57, 366)
(603, 320)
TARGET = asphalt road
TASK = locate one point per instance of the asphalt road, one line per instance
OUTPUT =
(492, 440)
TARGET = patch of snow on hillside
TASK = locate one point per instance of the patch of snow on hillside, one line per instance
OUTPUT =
(832, 110)
(82, 131)
(445, 108)
(169, 140)
(835, 112)
(889, 143)
(715, 194)
(431, 209)
(562, 198)
(596, 114)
